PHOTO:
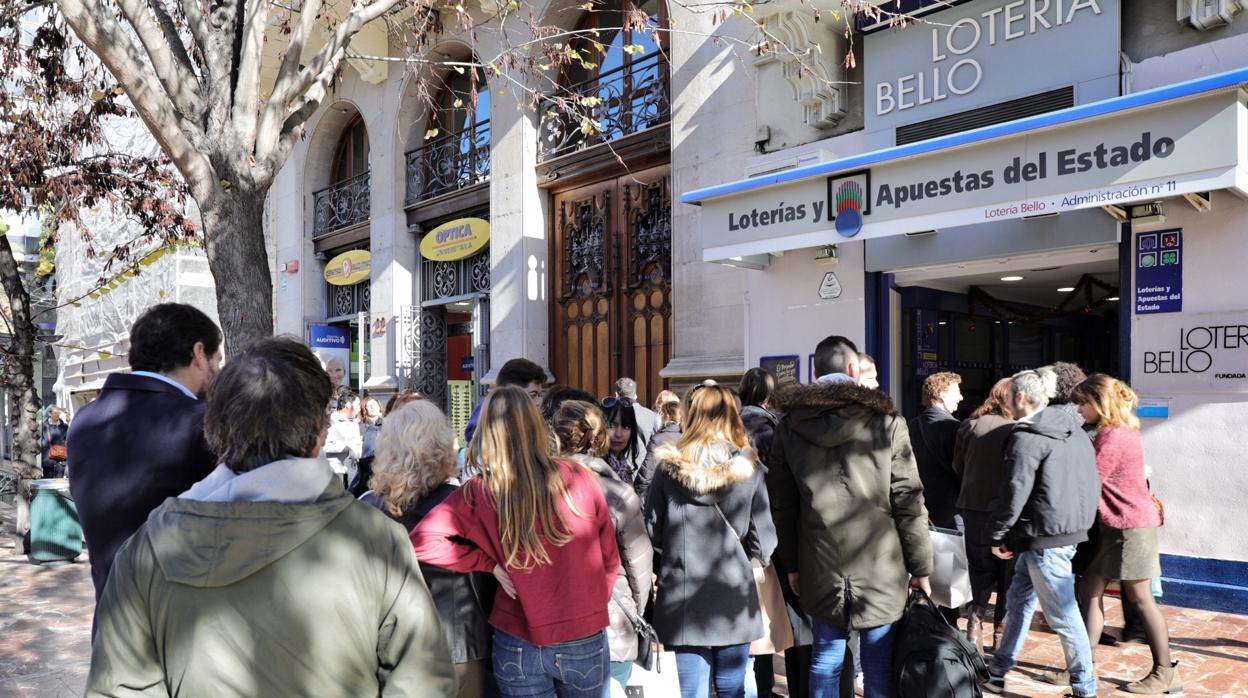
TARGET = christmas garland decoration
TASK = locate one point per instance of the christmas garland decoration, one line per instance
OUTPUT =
(1089, 294)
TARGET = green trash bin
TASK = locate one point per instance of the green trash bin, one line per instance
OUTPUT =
(55, 534)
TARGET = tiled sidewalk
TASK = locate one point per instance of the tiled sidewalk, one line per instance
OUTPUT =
(45, 626)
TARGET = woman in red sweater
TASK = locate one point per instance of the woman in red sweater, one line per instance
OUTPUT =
(542, 527)
(1127, 523)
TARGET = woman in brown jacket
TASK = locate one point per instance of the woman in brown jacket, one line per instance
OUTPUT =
(581, 432)
(979, 459)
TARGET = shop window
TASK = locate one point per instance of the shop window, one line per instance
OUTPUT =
(345, 202)
(628, 84)
(457, 154)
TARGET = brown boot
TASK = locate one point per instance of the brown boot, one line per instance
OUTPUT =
(1161, 680)
(975, 629)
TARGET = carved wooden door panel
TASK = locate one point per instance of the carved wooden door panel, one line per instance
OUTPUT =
(611, 283)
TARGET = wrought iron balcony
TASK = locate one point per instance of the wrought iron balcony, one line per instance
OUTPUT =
(449, 163)
(341, 205)
(620, 102)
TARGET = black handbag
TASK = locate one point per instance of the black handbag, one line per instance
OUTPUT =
(647, 639)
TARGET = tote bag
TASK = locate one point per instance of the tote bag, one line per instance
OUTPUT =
(951, 576)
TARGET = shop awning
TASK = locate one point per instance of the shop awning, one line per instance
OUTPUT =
(1179, 139)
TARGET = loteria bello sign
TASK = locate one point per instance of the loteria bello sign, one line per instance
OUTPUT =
(455, 239)
(348, 268)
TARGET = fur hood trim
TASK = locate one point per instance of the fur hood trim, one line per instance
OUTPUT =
(718, 467)
(830, 396)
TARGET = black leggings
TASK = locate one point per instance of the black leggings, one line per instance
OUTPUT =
(989, 573)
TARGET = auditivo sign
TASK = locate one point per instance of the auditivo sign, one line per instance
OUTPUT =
(1140, 155)
(1190, 353)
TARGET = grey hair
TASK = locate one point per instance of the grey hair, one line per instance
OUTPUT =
(1049, 376)
(626, 387)
(1031, 385)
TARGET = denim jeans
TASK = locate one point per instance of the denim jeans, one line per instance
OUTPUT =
(829, 656)
(1045, 576)
(695, 667)
(576, 669)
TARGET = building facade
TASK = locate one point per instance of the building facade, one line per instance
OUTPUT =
(1009, 184)
(750, 188)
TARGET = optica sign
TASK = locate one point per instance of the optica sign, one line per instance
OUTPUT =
(457, 239)
(348, 268)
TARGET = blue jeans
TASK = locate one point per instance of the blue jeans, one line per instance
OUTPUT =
(695, 665)
(1045, 576)
(829, 656)
(576, 669)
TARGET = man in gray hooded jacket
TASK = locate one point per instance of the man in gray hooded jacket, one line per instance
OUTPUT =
(267, 578)
(1048, 505)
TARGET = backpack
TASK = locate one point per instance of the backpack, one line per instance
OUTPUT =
(932, 659)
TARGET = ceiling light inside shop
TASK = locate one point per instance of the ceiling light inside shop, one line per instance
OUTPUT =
(1112, 298)
(1066, 289)
(1011, 278)
(942, 322)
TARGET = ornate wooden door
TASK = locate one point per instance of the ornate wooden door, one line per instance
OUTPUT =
(612, 283)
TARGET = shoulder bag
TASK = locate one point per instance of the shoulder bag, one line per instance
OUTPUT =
(647, 638)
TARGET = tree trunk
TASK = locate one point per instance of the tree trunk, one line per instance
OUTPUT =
(19, 379)
(234, 236)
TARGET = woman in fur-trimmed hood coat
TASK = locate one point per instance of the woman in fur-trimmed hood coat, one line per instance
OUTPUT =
(847, 503)
(706, 593)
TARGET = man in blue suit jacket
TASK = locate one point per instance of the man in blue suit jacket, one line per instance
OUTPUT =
(142, 440)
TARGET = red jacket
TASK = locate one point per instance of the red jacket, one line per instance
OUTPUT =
(1125, 499)
(563, 601)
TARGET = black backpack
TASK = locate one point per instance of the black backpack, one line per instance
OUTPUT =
(932, 659)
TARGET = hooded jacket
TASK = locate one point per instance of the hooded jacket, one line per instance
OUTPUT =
(707, 518)
(847, 502)
(760, 427)
(1051, 494)
(255, 584)
(632, 584)
(669, 433)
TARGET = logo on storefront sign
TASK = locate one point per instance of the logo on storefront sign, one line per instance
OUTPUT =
(348, 268)
(455, 239)
(849, 199)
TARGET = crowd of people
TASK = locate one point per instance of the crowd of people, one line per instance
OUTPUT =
(263, 532)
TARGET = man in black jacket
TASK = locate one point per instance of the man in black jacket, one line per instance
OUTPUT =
(142, 440)
(932, 435)
(1045, 510)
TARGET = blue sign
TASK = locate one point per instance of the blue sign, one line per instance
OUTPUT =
(1159, 272)
(329, 337)
(467, 363)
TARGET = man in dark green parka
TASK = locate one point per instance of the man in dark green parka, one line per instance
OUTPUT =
(848, 508)
(267, 578)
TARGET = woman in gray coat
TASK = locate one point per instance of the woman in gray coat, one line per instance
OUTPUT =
(708, 516)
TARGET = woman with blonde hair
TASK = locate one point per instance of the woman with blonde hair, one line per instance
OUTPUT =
(542, 526)
(581, 432)
(1126, 529)
(413, 463)
(708, 516)
(664, 397)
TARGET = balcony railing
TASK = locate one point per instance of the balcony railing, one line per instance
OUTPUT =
(341, 205)
(449, 163)
(623, 101)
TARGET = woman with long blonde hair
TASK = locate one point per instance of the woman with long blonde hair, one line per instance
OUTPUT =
(1126, 528)
(708, 516)
(581, 433)
(542, 526)
(413, 467)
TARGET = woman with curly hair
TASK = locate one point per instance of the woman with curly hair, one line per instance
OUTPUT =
(412, 468)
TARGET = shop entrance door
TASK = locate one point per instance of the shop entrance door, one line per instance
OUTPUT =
(611, 283)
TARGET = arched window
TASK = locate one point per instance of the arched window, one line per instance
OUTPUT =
(351, 155)
(345, 202)
(627, 82)
(456, 152)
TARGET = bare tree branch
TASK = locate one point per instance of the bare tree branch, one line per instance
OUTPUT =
(101, 34)
(176, 74)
